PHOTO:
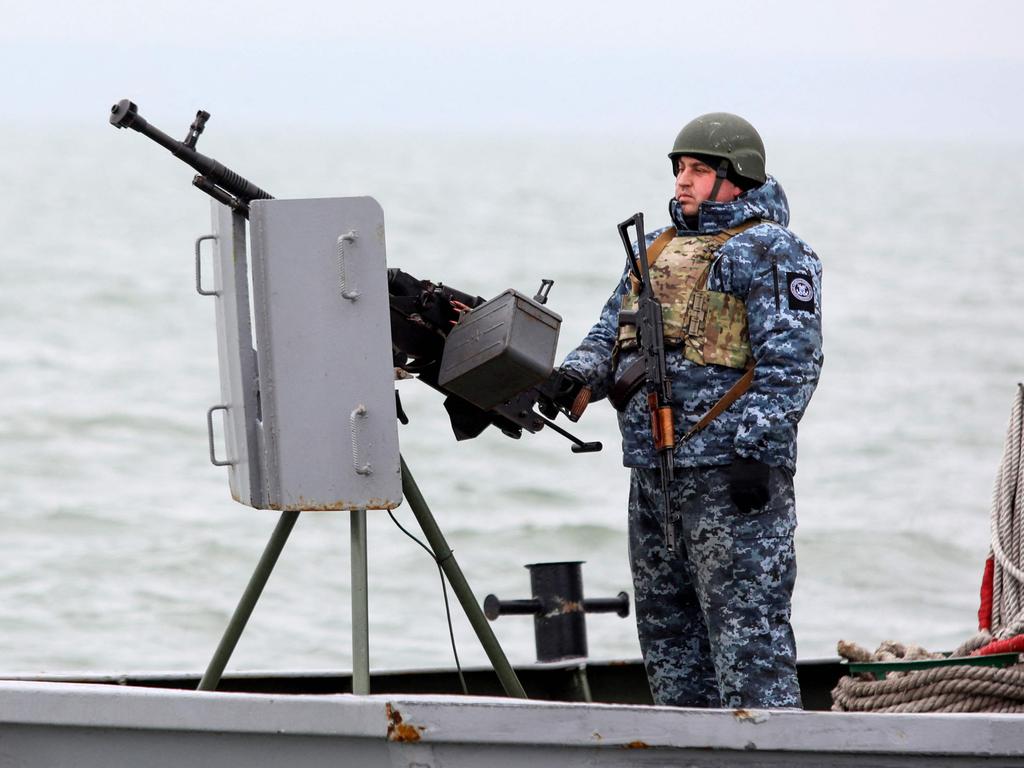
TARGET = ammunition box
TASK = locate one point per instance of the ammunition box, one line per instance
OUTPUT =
(499, 349)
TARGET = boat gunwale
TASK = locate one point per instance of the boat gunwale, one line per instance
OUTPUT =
(501, 721)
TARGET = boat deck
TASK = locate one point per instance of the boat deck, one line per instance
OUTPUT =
(609, 682)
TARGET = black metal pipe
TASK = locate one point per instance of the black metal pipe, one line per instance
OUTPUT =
(493, 607)
(558, 609)
(560, 628)
(619, 605)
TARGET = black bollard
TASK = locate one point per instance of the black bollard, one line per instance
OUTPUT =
(558, 608)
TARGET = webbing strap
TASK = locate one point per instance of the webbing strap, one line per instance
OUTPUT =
(716, 410)
(653, 253)
(670, 234)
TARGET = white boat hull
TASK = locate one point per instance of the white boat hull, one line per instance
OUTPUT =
(98, 726)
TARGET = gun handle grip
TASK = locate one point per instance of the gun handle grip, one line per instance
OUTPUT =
(579, 404)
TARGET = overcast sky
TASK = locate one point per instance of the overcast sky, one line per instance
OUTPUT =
(936, 69)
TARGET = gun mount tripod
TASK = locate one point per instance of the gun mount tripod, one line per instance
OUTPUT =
(360, 624)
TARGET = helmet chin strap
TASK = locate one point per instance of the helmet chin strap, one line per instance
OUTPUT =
(723, 171)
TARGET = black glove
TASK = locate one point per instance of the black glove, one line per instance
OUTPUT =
(748, 483)
(559, 393)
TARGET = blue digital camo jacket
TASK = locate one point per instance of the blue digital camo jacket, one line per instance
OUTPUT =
(778, 277)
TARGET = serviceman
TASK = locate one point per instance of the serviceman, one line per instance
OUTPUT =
(740, 293)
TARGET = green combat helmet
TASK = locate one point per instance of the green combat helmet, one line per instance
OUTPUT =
(726, 137)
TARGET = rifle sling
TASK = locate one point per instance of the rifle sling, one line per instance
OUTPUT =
(653, 253)
(671, 233)
(730, 397)
(627, 384)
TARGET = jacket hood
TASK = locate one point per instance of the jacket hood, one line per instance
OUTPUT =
(767, 202)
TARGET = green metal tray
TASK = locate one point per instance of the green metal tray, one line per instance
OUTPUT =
(881, 668)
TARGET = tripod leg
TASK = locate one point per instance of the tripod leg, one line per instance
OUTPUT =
(360, 607)
(445, 557)
(245, 607)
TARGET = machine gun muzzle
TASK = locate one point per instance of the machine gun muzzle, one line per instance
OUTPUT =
(217, 180)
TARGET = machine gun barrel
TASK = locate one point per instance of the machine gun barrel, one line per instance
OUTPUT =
(422, 313)
(125, 114)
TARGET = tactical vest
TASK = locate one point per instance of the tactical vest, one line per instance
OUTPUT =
(711, 326)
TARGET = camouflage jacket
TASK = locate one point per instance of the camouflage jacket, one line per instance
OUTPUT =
(778, 277)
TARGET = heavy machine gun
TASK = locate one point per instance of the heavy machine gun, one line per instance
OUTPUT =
(423, 313)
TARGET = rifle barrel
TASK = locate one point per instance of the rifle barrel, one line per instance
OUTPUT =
(651, 339)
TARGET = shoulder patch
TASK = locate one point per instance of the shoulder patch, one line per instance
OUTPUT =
(800, 289)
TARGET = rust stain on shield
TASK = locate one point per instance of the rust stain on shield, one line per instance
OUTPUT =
(398, 730)
(341, 505)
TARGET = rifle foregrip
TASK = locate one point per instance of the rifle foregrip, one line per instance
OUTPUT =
(662, 425)
(666, 431)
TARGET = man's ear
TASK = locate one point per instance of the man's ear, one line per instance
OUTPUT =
(730, 190)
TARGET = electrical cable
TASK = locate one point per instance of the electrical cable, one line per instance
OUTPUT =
(444, 593)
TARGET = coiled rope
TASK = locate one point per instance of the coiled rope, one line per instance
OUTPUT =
(1007, 528)
(940, 689)
(1001, 617)
(961, 688)
(957, 688)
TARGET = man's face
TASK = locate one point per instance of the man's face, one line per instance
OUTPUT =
(694, 181)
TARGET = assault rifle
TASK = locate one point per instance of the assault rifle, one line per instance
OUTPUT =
(422, 312)
(650, 332)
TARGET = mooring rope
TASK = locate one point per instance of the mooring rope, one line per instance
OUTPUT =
(963, 688)
(939, 689)
(1002, 613)
(1006, 522)
(955, 688)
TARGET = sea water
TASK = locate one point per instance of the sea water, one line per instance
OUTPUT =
(121, 549)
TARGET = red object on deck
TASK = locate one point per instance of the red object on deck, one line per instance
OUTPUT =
(1013, 644)
(985, 610)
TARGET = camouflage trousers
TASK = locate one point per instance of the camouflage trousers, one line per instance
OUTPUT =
(713, 616)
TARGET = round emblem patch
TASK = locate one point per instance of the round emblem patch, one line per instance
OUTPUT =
(801, 289)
